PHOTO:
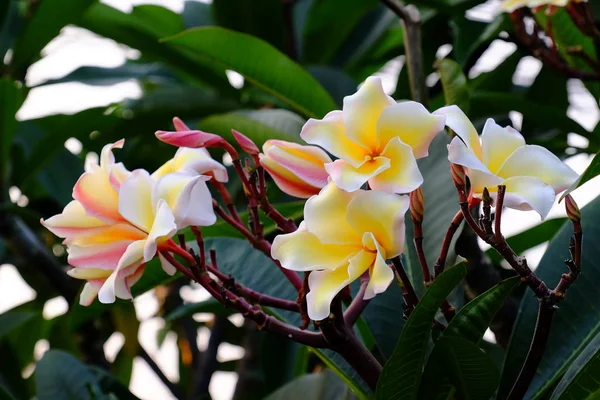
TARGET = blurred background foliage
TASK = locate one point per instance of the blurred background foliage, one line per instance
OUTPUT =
(293, 60)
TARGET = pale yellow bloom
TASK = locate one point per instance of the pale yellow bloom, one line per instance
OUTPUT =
(343, 236)
(532, 174)
(376, 139)
(512, 5)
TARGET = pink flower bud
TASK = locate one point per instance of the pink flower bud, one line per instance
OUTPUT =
(245, 143)
(458, 174)
(193, 139)
(417, 205)
(298, 170)
(180, 126)
(572, 208)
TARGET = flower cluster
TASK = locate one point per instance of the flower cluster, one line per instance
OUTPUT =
(358, 195)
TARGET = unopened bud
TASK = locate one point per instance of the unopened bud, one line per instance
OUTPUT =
(179, 125)
(458, 175)
(245, 143)
(417, 205)
(485, 196)
(572, 208)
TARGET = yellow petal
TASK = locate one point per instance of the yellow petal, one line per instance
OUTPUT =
(362, 110)
(498, 144)
(403, 175)
(302, 251)
(163, 228)
(325, 216)
(97, 195)
(330, 134)
(89, 273)
(412, 123)
(107, 158)
(381, 275)
(462, 126)
(196, 161)
(72, 221)
(380, 214)
(349, 178)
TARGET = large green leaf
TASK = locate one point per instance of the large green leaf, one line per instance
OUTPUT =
(469, 35)
(581, 379)
(260, 64)
(46, 22)
(10, 101)
(461, 364)
(530, 238)
(592, 171)
(13, 319)
(402, 373)
(60, 376)
(320, 386)
(454, 83)
(473, 319)
(5, 393)
(576, 322)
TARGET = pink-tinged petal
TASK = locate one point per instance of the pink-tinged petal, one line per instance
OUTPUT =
(325, 216)
(134, 277)
(412, 123)
(382, 215)
(72, 221)
(348, 178)
(97, 196)
(179, 125)
(164, 227)
(197, 161)
(166, 265)
(381, 275)
(330, 134)
(325, 285)
(117, 175)
(102, 256)
(135, 200)
(532, 160)
(363, 109)
(106, 234)
(245, 143)
(403, 175)
(88, 294)
(192, 139)
(498, 144)
(302, 251)
(107, 158)
(528, 193)
(462, 126)
(115, 285)
(188, 197)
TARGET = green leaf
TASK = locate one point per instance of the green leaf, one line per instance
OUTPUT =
(110, 385)
(530, 238)
(473, 319)
(441, 204)
(454, 83)
(260, 64)
(402, 373)
(13, 319)
(460, 363)
(5, 394)
(60, 376)
(10, 102)
(321, 386)
(581, 379)
(48, 19)
(576, 322)
(328, 25)
(592, 171)
(211, 306)
(469, 35)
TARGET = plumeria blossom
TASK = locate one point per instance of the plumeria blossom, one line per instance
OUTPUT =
(297, 170)
(532, 174)
(107, 239)
(343, 236)
(193, 161)
(512, 5)
(376, 140)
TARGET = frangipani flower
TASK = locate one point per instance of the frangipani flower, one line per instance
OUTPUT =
(194, 161)
(532, 175)
(103, 233)
(297, 170)
(512, 5)
(344, 235)
(376, 139)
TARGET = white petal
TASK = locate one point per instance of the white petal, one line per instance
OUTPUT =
(166, 265)
(498, 144)
(135, 199)
(164, 227)
(528, 193)
(115, 284)
(403, 175)
(462, 126)
(349, 178)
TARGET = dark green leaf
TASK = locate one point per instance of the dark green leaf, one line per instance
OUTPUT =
(454, 83)
(469, 35)
(5, 394)
(60, 376)
(473, 319)
(337, 83)
(592, 171)
(322, 386)
(402, 373)
(576, 322)
(259, 63)
(530, 238)
(13, 319)
(581, 379)
(111, 386)
(10, 102)
(48, 19)
(464, 366)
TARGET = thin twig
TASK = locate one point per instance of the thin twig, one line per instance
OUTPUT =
(410, 296)
(498, 216)
(173, 388)
(440, 264)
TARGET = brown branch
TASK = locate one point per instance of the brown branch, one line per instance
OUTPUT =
(410, 296)
(358, 305)
(173, 388)
(440, 264)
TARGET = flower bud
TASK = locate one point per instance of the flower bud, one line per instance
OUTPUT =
(245, 143)
(417, 205)
(298, 170)
(572, 208)
(179, 125)
(458, 175)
